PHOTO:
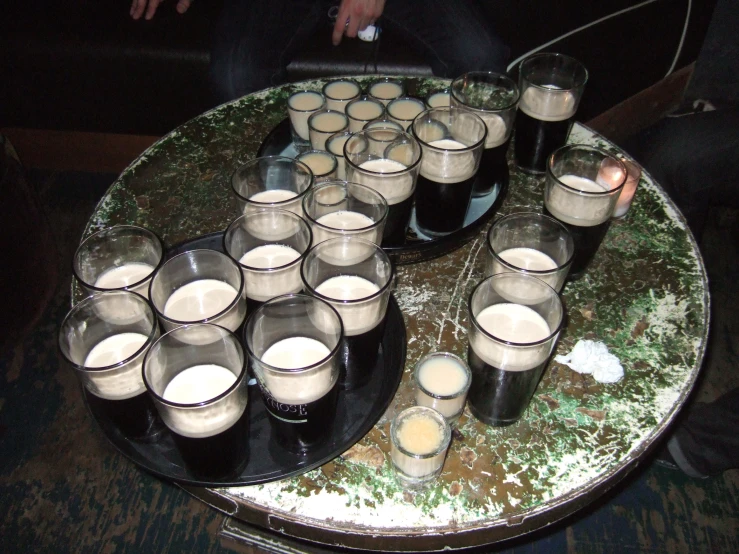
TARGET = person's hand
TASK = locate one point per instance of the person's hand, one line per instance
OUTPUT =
(360, 14)
(138, 7)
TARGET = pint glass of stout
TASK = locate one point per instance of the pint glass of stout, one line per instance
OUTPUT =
(300, 106)
(452, 140)
(355, 276)
(199, 286)
(387, 161)
(196, 375)
(269, 247)
(123, 257)
(339, 208)
(271, 182)
(530, 243)
(494, 98)
(294, 343)
(104, 338)
(515, 320)
(551, 87)
(581, 190)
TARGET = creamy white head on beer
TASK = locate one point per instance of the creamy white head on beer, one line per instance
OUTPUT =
(118, 385)
(357, 317)
(388, 177)
(440, 167)
(583, 210)
(123, 275)
(264, 285)
(548, 103)
(199, 300)
(343, 220)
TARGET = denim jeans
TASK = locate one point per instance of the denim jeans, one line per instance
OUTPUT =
(255, 40)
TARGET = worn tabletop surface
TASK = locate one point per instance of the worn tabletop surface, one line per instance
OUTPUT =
(645, 296)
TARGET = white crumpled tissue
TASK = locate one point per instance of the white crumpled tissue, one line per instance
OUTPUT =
(593, 357)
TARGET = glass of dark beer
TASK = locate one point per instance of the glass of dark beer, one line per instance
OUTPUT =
(387, 161)
(530, 243)
(452, 140)
(197, 376)
(582, 187)
(551, 87)
(269, 247)
(515, 320)
(104, 338)
(294, 343)
(340, 208)
(123, 257)
(271, 182)
(494, 98)
(355, 276)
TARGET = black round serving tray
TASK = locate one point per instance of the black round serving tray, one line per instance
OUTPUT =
(357, 412)
(417, 248)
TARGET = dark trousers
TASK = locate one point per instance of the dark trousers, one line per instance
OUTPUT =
(255, 40)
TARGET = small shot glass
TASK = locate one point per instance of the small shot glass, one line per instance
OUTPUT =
(362, 110)
(300, 106)
(419, 440)
(199, 286)
(335, 145)
(323, 124)
(123, 257)
(404, 110)
(443, 380)
(269, 247)
(271, 182)
(323, 164)
(438, 98)
(386, 89)
(340, 93)
(339, 208)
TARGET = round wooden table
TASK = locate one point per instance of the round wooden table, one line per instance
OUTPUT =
(645, 296)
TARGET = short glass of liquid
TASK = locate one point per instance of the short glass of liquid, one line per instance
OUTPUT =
(581, 189)
(386, 89)
(323, 124)
(419, 440)
(123, 257)
(452, 140)
(494, 98)
(530, 243)
(404, 110)
(551, 87)
(442, 381)
(387, 161)
(438, 98)
(199, 286)
(339, 208)
(269, 247)
(294, 343)
(354, 276)
(271, 182)
(104, 338)
(197, 376)
(340, 93)
(515, 320)
(362, 110)
(335, 144)
(324, 165)
(300, 106)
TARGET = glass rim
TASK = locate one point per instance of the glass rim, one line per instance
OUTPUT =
(96, 235)
(584, 193)
(323, 98)
(345, 185)
(534, 272)
(204, 403)
(356, 301)
(295, 371)
(556, 55)
(341, 80)
(363, 98)
(328, 153)
(321, 112)
(466, 149)
(236, 222)
(150, 339)
(465, 367)
(392, 125)
(473, 317)
(281, 159)
(446, 431)
(407, 168)
(381, 80)
(516, 91)
(405, 98)
(211, 319)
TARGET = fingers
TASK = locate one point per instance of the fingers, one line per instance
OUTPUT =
(183, 6)
(340, 24)
(152, 8)
(137, 8)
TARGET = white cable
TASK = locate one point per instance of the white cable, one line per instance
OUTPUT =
(682, 39)
(602, 19)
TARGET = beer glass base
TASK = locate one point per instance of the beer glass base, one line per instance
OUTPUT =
(492, 421)
(531, 170)
(436, 234)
